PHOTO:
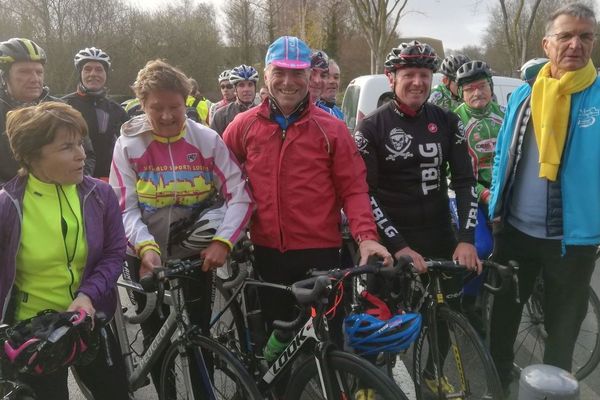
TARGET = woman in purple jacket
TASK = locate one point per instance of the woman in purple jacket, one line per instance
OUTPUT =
(62, 242)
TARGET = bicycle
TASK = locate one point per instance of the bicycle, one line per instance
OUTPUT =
(10, 386)
(43, 344)
(468, 372)
(326, 373)
(194, 366)
(529, 344)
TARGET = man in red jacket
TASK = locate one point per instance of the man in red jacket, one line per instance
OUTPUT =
(303, 168)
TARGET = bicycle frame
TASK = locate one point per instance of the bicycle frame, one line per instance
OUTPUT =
(138, 369)
(315, 330)
(435, 299)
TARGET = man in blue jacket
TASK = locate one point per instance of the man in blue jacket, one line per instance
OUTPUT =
(546, 190)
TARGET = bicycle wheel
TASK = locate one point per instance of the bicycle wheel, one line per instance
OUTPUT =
(353, 376)
(530, 343)
(467, 371)
(10, 390)
(229, 329)
(200, 368)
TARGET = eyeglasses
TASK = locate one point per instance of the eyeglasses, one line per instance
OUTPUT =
(566, 37)
(227, 86)
(472, 87)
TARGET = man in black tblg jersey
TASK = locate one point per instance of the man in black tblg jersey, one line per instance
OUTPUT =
(408, 145)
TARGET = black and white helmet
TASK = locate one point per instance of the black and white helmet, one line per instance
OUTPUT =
(451, 64)
(473, 71)
(412, 54)
(200, 233)
(224, 76)
(91, 54)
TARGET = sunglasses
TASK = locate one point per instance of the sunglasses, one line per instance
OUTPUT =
(227, 86)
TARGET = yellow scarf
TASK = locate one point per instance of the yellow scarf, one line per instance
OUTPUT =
(550, 108)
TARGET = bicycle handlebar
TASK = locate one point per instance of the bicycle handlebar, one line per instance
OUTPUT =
(171, 270)
(508, 278)
(242, 274)
(316, 288)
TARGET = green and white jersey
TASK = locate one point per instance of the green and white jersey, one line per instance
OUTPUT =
(441, 96)
(481, 130)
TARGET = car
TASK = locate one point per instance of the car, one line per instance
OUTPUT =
(368, 92)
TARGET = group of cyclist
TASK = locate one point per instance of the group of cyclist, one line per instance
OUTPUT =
(284, 168)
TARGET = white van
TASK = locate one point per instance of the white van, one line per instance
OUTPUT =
(366, 93)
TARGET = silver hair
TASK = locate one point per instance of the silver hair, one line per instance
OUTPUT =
(576, 10)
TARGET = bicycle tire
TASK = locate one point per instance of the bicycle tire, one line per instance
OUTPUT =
(469, 360)
(230, 329)
(355, 372)
(228, 377)
(10, 390)
(532, 335)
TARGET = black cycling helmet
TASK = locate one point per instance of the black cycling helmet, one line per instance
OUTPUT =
(413, 54)
(473, 71)
(49, 341)
(16, 49)
(451, 64)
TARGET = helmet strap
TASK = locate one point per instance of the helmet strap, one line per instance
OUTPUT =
(94, 93)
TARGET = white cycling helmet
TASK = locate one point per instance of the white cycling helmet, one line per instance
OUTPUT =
(224, 76)
(91, 54)
(200, 233)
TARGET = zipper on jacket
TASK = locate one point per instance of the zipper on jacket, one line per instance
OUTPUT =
(283, 132)
(72, 280)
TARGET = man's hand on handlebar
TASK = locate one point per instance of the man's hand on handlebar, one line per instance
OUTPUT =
(214, 255)
(417, 259)
(369, 248)
(466, 254)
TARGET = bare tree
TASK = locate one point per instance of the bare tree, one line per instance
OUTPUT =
(517, 29)
(378, 20)
(242, 28)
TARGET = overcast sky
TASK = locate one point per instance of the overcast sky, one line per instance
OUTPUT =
(456, 22)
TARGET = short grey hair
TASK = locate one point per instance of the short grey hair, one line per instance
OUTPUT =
(576, 10)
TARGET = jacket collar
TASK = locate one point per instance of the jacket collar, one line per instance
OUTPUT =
(16, 186)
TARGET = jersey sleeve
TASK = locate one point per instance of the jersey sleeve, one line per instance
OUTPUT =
(366, 140)
(463, 180)
(123, 179)
(232, 185)
(349, 179)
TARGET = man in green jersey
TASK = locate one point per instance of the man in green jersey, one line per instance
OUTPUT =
(482, 118)
(445, 94)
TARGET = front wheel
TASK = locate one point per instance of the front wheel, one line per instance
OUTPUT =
(530, 342)
(465, 368)
(354, 378)
(200, 368)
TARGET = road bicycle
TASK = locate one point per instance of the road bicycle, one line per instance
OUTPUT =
(194, 366)
(449, 352)
(318, 369)
(530, 342)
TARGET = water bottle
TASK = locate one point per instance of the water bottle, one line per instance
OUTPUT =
(258, 333)
(278, 341)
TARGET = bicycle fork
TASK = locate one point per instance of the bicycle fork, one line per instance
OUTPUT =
(438, 357)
